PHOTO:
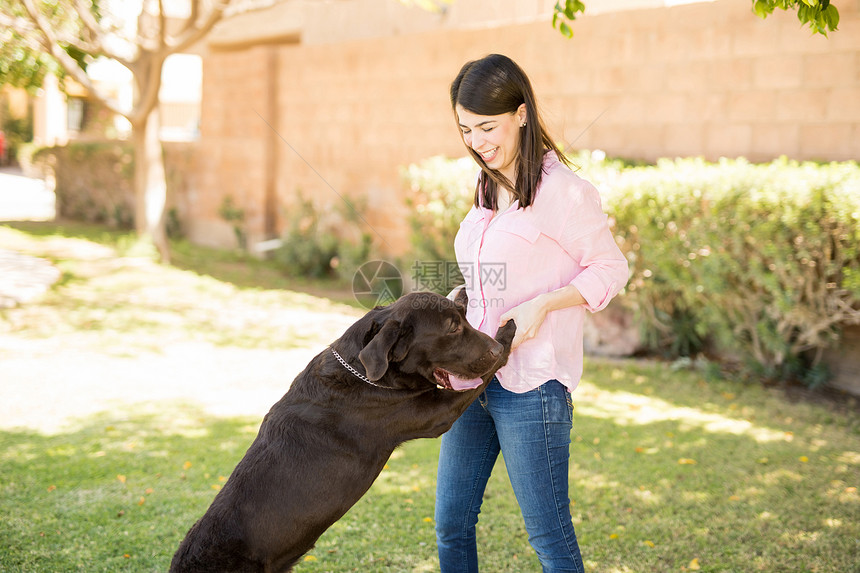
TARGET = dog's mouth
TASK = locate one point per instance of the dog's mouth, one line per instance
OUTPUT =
(451, 381)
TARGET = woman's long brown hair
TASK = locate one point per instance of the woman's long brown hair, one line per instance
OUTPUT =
(495, 85)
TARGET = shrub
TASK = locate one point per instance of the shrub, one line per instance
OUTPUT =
(94, 181)
(759, 264)
(441, 192)
(762, 260)
(18, 131)
(323, 241)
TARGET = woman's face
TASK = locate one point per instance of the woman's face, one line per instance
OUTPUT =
(496, 138)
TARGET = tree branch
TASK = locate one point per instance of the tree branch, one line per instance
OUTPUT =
(22, 26)
(50, 43)
(192, 18)
(162, 25)
(85, 14)
(192, 33)
(147, 74)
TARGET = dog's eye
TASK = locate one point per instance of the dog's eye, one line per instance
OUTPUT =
(455, 327)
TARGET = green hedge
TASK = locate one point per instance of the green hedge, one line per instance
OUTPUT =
(94, 181)
(756, 263)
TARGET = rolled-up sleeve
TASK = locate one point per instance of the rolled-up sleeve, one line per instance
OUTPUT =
(587, 238)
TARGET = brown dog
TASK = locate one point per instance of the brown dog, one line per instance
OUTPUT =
(393, 376)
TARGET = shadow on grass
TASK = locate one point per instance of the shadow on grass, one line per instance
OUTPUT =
(230, 266)
(665, 470)
(117, 493)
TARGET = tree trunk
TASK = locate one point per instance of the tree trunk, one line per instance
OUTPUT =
(150, 184)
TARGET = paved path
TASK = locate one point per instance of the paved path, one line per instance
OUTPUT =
(23, 278)
(24, 198)
(49, 384)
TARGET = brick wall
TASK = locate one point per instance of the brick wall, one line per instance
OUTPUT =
(706, 79)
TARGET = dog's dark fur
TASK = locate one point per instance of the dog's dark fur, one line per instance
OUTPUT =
(323, 444)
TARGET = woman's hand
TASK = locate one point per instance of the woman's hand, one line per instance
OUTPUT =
(529, 317)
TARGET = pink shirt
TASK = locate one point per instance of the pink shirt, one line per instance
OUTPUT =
(562, 238)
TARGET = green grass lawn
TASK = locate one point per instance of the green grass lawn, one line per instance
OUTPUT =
(670, 471)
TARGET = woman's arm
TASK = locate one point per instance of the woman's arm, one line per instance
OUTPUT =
(532, 313)
(587, 238)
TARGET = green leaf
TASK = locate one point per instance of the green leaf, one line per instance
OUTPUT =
(762, 8)
(831, 16)
(566, 30)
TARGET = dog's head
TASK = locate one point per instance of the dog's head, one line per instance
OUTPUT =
(426, 334)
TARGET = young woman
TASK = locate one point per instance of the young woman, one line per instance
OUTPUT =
(535, 248)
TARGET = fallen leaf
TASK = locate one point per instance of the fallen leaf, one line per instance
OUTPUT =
(216, 486)
(649, 543)
(803, 459)
(694, 565)
(310, 558)
(148, 490)
(121, 478)
(428, 520)
(613, 536)
(141, 501)
(734, 498)
(52, 487)
(186, 465)
(127, 556)
(687, 462)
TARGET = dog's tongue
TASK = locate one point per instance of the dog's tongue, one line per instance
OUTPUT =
(458, 383)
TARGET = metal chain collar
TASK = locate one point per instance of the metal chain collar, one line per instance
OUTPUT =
(358, 374)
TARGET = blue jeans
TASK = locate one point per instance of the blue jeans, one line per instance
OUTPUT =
(532, 430)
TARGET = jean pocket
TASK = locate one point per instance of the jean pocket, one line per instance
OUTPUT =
(557, 402)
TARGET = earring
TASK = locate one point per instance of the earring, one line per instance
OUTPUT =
(523, 124)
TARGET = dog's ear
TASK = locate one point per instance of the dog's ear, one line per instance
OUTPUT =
(462, 299)
(375, 355)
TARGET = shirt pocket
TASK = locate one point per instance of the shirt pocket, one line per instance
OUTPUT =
(468, 236)
(472, 217)
(519, 227)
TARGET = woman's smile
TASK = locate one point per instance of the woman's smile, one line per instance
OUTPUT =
(495, 138)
